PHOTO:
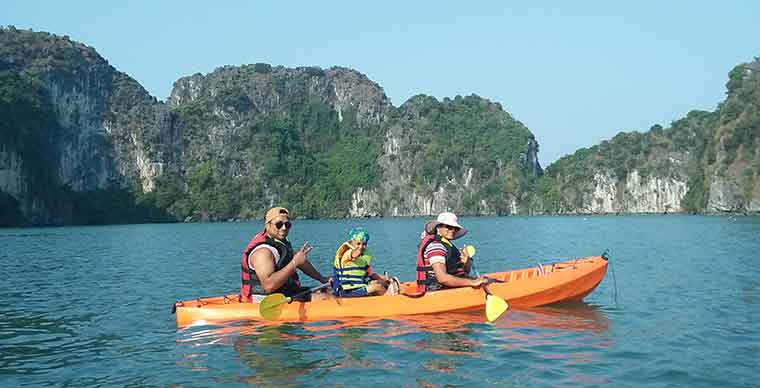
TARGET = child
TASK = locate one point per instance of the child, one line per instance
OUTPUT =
(352, 272)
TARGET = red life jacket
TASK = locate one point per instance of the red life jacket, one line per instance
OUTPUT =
(249, 282)
(426, 280)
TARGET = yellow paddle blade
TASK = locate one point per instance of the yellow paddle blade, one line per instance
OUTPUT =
(271, 307)
(495, 306)
(470, 250)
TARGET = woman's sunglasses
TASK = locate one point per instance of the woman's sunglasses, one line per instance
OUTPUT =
(280, 224)
(454, 228)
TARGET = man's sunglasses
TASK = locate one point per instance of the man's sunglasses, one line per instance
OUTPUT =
(280, 224)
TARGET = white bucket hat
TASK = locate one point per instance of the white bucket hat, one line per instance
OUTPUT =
(445, 218)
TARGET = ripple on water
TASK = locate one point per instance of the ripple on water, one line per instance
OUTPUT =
(536, 345)
(681, 305)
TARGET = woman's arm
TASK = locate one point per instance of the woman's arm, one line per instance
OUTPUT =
(453, 281)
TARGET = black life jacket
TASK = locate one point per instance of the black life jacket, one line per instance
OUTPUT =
(426, 280)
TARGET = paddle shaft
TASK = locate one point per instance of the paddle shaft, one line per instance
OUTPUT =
(485, 285)
(495, 305)
(490, 280)
(265, 307)
(309, 291)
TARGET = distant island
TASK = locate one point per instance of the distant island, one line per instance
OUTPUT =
(83, 143)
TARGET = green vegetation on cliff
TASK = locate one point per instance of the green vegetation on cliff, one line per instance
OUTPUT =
(700, 149)
(304, 155)
(26, 120)
(735, 147)
(91, 146)
(31, 137)
(457, 134)
(667, 153)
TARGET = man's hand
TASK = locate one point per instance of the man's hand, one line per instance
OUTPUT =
(301, 256)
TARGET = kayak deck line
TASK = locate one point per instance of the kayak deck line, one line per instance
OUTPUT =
(529, 287)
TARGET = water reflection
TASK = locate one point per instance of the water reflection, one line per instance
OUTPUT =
(274, 356)
(578, 316)
(445, 349)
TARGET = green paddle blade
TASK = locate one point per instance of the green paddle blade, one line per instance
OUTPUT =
(271, 307)
(495, 306)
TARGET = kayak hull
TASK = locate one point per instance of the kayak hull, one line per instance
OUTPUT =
(531, 287)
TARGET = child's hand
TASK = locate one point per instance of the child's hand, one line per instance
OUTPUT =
(356, 252)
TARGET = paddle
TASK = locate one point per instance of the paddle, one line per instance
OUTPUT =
(271, 306)
(495, 306)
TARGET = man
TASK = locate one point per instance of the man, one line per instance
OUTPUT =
(269, 264)
(439, 263)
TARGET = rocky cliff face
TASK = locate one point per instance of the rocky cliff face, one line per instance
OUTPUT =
(245, 105)
(705, 162)
(326, 142)
(635, 195)
(632, 173)
(96, 122)
(81, 142)
(422, 176)
(733, 162)
(241, 92)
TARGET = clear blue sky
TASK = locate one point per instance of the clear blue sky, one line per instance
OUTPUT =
(574, 72)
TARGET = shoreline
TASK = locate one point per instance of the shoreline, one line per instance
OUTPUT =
(234, 220)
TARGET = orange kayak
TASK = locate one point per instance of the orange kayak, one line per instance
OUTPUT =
(531, 287)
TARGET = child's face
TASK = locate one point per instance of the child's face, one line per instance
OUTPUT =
(360, 245)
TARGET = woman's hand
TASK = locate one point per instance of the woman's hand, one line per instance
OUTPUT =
(479, 281)
(464, 255)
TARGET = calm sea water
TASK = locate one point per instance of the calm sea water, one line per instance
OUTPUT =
(90, 306)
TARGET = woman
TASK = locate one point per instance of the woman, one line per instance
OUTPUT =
(439, 263)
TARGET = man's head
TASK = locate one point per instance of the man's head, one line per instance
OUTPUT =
(277, 222)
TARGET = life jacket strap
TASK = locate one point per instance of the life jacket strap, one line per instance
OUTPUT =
(346, 269)
(351, 282)
(352, 276)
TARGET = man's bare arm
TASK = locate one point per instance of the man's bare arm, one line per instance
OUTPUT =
(271, 280)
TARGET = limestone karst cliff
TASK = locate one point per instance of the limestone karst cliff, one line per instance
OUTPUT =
(704, 162)
(95, 147)
(76, 133)
(81, 142)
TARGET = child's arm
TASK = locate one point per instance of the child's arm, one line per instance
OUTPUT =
(374, 276)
